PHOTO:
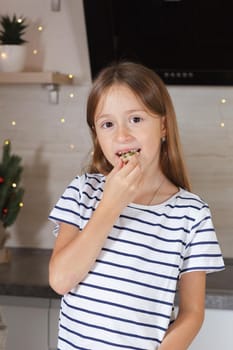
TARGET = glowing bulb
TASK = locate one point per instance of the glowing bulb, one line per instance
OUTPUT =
(223, 100)
(14, 185)
(40, 28)
(4, 55)
(62, 120)
(35, 52)
(71, 95)
(70, 76)
(222, 124)
(6, 142)
(19, 20)
(13, 123)
(21, 204)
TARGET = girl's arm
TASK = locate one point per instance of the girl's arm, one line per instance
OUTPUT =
(75, 251)
(191, 312)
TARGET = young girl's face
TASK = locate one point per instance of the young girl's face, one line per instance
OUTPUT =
(123, 124)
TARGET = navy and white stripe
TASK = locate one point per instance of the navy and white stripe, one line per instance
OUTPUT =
(126, 300)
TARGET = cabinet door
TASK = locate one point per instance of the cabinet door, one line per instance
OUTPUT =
(27, 322)
(216, 332)
(53, 323)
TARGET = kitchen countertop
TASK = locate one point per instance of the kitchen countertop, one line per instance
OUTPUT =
(27, 276)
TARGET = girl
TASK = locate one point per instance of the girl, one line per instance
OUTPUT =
(130, 231)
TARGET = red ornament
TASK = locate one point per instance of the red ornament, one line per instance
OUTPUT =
(5, 211)
(1, 180)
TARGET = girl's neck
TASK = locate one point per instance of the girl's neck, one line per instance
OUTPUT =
(155, 190)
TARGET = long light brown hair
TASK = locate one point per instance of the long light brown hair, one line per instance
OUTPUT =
(150, 89)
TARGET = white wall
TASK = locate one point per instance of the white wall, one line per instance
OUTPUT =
(39, 137)
(209, 151)
(43, 141)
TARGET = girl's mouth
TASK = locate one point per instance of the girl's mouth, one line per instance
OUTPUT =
(125, 156)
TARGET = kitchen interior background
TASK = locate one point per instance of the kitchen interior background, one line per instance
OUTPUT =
(54, 142)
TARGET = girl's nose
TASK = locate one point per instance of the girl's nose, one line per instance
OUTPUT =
(123, 133)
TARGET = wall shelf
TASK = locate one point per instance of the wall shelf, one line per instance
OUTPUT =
(51, 80)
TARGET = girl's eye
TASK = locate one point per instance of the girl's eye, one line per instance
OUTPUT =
(135, 119)
(106, 125)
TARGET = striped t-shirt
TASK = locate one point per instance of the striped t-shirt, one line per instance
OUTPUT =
(126, 299)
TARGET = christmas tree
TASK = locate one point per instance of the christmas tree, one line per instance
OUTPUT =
(11, 194)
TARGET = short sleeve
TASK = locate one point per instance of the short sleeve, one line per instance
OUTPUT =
(202, 252)
(67, 208)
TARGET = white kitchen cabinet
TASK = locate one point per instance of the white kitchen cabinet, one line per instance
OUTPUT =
(53, 323)
(216, 332)
(31, 322)
(27, 322)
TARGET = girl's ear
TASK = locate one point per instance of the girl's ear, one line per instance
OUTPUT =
(163, 126)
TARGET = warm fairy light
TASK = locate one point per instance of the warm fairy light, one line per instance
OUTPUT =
(223, 100)
(13, 123)
(6, 142)
(14, 185)
(222, 124)
(62, 120)
(70, 76)
(40, 28)
(35, 52)
(3, 55)
(71, 95)
(21, 204)
(19, 20)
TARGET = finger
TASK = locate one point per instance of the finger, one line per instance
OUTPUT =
(130, 165)
(135, 175)
(119, 164)
(115, 169)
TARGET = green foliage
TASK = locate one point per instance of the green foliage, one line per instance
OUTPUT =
(11, 194)
(13, 29)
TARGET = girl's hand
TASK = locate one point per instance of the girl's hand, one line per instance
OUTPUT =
(122, 183)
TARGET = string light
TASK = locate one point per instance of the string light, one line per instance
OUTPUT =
(70, 76)
(21, 204)
(223, 101)
(4, 55)
(14, 185)
(40, 28)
